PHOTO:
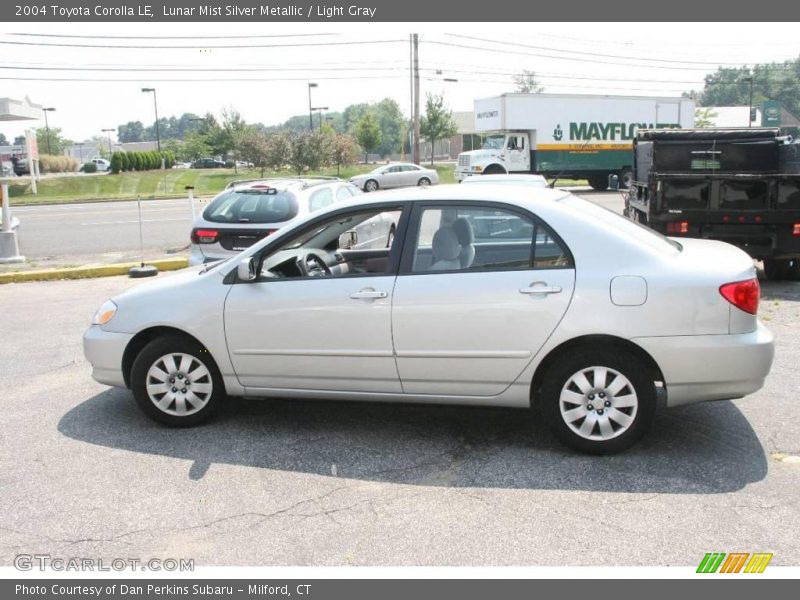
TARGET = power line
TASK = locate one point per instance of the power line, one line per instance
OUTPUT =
(170, 37)
(198, 46)
(581, 60)
(597, 54)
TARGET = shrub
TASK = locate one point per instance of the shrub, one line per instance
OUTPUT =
(116, 162)
(126, 161)
(89, 167)
(49, 163)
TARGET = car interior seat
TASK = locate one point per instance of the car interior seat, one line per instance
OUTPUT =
(466, 236)
(445, 250)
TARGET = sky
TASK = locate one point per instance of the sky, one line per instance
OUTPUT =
(350, 63)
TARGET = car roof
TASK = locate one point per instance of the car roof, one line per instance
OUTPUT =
(282, 183)
(506, 177)
(526, 197)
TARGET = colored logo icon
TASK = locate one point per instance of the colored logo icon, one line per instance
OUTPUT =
(735, 562)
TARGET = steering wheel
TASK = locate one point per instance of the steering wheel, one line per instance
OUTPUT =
(313, 265)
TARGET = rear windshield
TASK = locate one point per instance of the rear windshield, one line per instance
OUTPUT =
(629, 228)
(252, 206)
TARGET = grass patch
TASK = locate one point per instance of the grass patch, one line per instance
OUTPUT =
(168, 184)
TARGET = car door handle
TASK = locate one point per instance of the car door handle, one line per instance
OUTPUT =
(368, 294)
(540, 287)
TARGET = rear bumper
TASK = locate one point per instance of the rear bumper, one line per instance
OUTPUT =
(104, 350)
(711, 367)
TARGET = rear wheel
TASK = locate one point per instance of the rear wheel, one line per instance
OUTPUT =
(625, 179)
(777, 269)
(794, 270)
(176, 382)
(371, 185)
(598, 182)
(599, 401)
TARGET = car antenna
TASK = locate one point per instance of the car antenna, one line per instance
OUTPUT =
(142, 270)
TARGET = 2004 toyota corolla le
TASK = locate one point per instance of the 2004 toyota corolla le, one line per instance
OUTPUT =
(487, 295)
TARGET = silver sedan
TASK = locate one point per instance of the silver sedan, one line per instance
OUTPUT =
(395, 175)
(487, 295)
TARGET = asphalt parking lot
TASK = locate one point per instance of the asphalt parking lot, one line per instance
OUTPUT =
(84, 473)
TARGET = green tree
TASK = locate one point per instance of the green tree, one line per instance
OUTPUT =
(308, 151)
(116, 162)
(3, 140)
(438, 121)
(278, 151)
(132, 131)
(390, 120)
(704, 117)
(368, 133)
(254, 148)
(344, 150)
(58, 143)
(526, 83)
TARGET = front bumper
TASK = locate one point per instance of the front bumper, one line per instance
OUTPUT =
(699, 368)
(104, 350)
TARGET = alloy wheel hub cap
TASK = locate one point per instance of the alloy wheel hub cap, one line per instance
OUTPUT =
(179, 384)
(598, 403)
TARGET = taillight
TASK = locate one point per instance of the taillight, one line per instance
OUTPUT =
(796, 230)
(678, 227)
(204, 236)
(743, 295)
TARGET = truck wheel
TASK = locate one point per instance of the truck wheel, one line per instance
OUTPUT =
(794, 270)
(494, 170)
(777, 269)
(598, 183)
(625, 179)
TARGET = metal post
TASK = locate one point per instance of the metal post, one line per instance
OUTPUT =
(47, 130)
(415, 46)
(190, 190)
(310, 110)
(9, 248)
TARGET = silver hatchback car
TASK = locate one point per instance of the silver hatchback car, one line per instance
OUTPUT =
(247, 211)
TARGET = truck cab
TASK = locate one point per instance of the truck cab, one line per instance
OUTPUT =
(501, 152)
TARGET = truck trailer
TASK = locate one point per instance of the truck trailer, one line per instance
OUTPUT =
(567, 136)
(740, 186)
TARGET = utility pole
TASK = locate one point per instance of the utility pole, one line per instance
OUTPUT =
(310, 110)
(415, 69)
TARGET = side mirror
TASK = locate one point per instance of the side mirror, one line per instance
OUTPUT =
(246, 270)
(349, 239)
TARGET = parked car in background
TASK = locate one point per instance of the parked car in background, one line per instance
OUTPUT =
(21, 167)
(489, 295)
(395, 175)
(508, 178)
(243, 164)
(246, 212)
(101, 163)
(7, 169)
(207, 163)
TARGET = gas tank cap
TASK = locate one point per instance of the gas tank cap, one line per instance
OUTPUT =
(628, 290)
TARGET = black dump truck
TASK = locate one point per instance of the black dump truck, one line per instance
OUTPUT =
(740, 186)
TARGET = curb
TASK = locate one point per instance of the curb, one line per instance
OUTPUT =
(90, 271)
(199, 198)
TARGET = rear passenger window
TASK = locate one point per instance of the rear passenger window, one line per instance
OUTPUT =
(484, 239)
(320, 199)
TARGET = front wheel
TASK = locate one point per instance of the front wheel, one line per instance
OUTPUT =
(599, 183)
(176, 382)
(599, 402)
(371, 186)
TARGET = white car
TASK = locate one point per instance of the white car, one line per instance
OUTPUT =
(247, 211)
(395, 175)
(508, 178)
(101, 163)
(488, 295)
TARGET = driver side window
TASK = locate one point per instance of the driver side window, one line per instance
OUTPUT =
(343, 245)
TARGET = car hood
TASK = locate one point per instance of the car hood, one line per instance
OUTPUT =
(162, 286)
(481, 153)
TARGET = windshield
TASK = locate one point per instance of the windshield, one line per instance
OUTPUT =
(494, 142)
(252, 206)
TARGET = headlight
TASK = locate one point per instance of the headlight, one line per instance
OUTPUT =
(105, 313)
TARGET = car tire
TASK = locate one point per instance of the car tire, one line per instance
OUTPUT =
(191, 366)
(625, 179)
(794, 270)
(598, 183)
(777, 269)
(573, 412)
(371, 185)
(424, 182)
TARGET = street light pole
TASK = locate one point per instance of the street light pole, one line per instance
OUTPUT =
(108, 131)
(310, 110)
(47, 127)
(155, 107)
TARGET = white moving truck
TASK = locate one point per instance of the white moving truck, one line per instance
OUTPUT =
(567, 136)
